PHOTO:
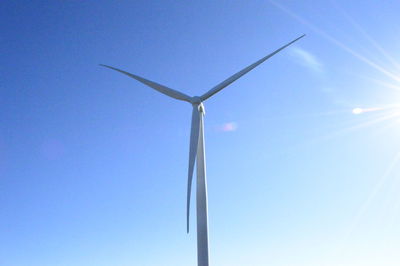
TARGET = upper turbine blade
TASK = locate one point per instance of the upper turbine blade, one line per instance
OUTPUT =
(161, 88)
(194, 140)
(239, 74)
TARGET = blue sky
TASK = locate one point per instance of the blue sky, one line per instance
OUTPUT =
(302, 152)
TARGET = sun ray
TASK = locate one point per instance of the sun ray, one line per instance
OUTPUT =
(382, 83)
(366, 204)
(386, 128)
(366, 35)
(308, 115)
(369, 122)
(381, 181)
(336, 42)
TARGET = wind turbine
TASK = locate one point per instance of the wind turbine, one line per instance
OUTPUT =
(196, 149)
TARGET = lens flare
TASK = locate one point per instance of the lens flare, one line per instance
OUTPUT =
(357, 111)
(228, 127)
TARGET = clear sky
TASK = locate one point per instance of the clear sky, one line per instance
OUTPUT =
(302, 152)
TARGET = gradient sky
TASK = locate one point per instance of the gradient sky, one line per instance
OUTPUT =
(93, 164)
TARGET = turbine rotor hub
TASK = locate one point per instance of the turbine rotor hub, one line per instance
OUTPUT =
(196, 100)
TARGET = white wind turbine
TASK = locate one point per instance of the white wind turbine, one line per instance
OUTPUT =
(197, 148)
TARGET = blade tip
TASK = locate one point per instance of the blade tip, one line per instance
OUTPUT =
(301, 36)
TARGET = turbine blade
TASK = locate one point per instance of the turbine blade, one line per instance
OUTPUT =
(239, 74)
(158, 87)
(194, 139)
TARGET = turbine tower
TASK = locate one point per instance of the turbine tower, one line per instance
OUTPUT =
(197, 149)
